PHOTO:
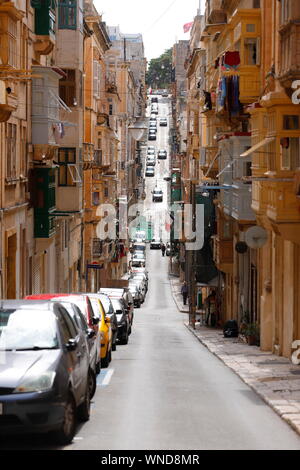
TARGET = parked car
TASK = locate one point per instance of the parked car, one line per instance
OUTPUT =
(150, 151)
(153, 117)
(151, 136)
(154, 99)
(153, 125)
(168, 249)
(136, 294)
(138, 262)
(88, 333)
(124, 327)
(105, 330)
(157, 195)
(139, 284)
(155, 244)
(44, 380)
(163, 122)
(125, 295)
(138, 246)
(84, 304)
(135, 270)
(162, 155)
(151, 161)
(150, 171)
(110, 313)
(154, 110)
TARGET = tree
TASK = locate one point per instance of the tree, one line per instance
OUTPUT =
(159, 74)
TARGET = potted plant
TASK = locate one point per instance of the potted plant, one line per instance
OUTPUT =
(252, 334)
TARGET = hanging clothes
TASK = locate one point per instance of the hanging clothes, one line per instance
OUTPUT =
(231, 60)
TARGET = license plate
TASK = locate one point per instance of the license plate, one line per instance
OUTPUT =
(1, 409)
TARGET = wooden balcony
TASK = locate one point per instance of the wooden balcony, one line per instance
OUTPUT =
(215, 13)
(289, 54)
(283, 205)
(223, 254)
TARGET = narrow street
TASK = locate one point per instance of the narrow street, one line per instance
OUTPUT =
(168, 392)
(164, 390)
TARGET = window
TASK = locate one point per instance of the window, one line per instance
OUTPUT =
(290, 156)
(96, 78)
(12, 42)
(251, 51)
(250, 28)
(11, 138)
(247, 171)
(96, 199)
(67, 327)
(66, 157)
(285, 10)
(67, 87)
(290, 122)
(23, 147)
(67, 14)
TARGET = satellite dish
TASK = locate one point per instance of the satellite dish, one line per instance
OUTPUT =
(256, 237)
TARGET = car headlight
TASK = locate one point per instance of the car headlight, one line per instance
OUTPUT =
(35, 382)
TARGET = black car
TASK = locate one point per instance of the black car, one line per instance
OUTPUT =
(47, 358)
(150, 171)
(157, 195)
(155, 244)
(124, 327)
(162, 154)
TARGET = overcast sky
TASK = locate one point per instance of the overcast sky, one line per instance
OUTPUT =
(160, 21)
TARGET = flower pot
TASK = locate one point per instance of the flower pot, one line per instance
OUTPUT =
(251, 340)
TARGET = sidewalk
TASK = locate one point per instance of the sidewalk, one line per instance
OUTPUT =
(274, 378)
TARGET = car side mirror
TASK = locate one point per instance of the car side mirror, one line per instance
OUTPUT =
(91, 333)
(71, 345)
(107, 320)
(95, 321)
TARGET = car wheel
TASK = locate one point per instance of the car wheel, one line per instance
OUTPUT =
(125, 338)
(92, 383)
(64, 435)
(85, 407)
(109, 356)
(105, 360)
(98, 367)
(114, 346)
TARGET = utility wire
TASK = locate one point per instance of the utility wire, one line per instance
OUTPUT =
(160, 17)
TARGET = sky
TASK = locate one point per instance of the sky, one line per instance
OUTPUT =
(160, 21)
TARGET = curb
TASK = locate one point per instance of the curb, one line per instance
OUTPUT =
(293, 422)
(175, 299)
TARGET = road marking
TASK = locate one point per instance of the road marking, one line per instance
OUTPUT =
(104, 377)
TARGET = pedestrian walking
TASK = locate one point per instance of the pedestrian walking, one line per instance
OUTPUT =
(163, 249)
(184, 292)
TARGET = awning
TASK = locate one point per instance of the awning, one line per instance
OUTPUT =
(260, 144)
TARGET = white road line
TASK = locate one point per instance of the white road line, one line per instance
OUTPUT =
(107, 377)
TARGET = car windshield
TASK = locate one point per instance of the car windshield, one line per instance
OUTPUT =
(27, 330)
(117, 304)
(106, 304)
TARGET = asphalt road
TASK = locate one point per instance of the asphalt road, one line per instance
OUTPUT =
(165, 391)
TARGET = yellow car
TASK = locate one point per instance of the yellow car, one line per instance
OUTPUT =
(105, 330)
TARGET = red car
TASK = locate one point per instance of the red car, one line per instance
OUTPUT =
(84, 304)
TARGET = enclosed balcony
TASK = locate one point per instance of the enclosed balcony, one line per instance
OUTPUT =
(223, 254)
(214, 12)
(44, 25)
(43, 198)
(289, 54)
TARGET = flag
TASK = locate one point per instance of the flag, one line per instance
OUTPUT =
(187, 27)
